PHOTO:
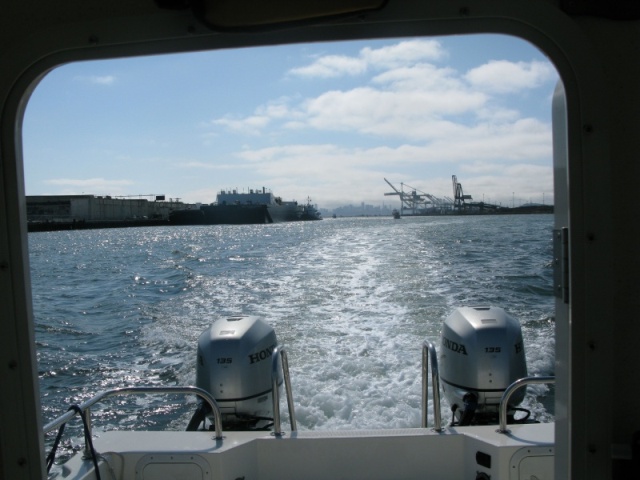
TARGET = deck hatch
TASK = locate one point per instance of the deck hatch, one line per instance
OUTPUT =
(172, 466)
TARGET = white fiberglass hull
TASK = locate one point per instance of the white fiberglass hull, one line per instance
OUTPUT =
(456, 453)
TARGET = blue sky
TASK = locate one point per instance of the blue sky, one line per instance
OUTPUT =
(328, 121)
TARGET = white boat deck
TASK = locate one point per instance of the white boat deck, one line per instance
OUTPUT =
(456, 453)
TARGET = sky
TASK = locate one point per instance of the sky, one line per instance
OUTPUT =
(325, 121)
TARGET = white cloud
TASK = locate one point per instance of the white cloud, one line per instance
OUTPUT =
(402, 103)
(403, 53)
(334, 174)
(501, 76)
(406, 102)
(331, 66)
(409, 118)
(209, 166)
(422, 77)
(408, 115)
(497, 114)
(252, 125)
(277, 109)
(359, 115)
(409, 100)
(263, 116)
(97, 79)
(476, 146)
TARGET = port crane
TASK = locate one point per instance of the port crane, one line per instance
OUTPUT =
(411, 203)
(460, 203)
(416, 202)
(458, 195)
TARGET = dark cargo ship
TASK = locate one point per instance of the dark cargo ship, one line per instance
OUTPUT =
(233, 208)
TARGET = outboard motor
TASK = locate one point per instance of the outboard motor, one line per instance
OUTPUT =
(234, 363)
(481, 354)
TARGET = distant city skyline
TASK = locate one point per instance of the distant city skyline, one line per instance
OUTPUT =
(322, 121)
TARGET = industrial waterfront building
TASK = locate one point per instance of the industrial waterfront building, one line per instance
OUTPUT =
(53, 212)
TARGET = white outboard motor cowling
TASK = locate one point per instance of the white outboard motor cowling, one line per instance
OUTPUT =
(481, 354)
(234, 364)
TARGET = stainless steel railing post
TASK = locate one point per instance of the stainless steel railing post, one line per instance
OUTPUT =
(429, 353)
(504, 401)
(86, 406)
(287, 384)
(281, 352)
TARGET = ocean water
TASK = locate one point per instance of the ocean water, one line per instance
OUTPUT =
(353, 299)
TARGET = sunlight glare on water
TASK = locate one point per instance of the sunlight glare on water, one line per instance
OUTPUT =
(353, 300)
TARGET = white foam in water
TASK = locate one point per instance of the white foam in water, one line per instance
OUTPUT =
(352, 300)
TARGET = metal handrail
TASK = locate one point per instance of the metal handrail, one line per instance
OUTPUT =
(504, 401)
(275, 394)
(86, 406)
(429, 351)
